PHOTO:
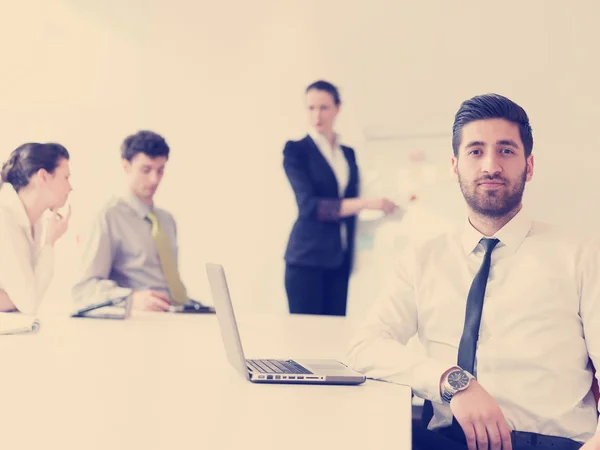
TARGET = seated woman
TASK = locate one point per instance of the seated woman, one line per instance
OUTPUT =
(33, 180)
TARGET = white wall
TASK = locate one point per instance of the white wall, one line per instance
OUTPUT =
(223, 82)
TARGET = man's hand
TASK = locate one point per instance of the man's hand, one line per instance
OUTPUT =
(148, 300)
(593, 443)
(481, 419)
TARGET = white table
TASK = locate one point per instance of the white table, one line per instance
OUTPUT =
(161, 381)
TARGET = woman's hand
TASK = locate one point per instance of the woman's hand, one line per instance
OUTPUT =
(57, 226)
(381, 204)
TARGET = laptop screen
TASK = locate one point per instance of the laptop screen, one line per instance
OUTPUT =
(226, 318)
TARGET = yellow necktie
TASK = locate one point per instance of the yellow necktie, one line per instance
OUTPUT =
(167, 261)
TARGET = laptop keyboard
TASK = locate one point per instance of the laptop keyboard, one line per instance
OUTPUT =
(276, 366)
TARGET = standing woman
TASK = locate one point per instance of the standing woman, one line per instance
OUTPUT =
(33, 180)
(325, 180)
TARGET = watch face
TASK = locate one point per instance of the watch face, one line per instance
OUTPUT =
(458, 379)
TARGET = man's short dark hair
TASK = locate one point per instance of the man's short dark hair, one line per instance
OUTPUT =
(144, 141)
(491, 106)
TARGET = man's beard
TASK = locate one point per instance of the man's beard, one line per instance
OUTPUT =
(493, 203)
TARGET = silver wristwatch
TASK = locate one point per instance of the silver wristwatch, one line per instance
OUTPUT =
(455, 381)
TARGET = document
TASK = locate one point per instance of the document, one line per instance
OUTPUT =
(17, 323)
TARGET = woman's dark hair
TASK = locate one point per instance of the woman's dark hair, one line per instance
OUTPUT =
(27, 159)
(327, 87)
(147, 142)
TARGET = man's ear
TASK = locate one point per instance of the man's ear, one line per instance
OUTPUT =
(529, 168)
(454, 161)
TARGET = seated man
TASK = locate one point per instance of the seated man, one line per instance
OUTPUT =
(131, 250)
(507, 309)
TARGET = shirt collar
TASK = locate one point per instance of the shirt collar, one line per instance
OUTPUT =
(138, 206)
(510, 235)
(322, 141)
(10, 200)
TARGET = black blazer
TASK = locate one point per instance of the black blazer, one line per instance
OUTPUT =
(315, 237)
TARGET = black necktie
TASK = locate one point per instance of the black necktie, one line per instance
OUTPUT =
(468, 341)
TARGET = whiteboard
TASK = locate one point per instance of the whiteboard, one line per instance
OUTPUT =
(415, 172)
(402, 167)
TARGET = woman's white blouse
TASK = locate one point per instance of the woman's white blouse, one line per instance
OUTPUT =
(26, 265)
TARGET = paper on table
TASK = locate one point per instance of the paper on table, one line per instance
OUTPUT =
(17, 323)
(107, 312)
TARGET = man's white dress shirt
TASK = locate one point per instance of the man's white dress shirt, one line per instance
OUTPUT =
(540, 320)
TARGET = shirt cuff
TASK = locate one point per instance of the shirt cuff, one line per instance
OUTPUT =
(427, 378)
(329, 209)
(120, 292)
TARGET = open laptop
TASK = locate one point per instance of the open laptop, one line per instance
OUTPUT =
(305, 371)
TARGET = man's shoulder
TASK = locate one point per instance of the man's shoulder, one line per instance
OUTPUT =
(556, 233)
(563, 239)
(541, 227)
(112, 206)
(163, 213)
(106, 212)
(419, 249)
(434, 243)
(117, 206)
